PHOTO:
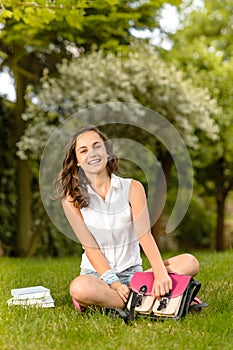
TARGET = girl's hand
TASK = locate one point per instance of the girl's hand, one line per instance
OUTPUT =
(162, 285)
(121, 289)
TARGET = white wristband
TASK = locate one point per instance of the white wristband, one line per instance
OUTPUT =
(109, 277)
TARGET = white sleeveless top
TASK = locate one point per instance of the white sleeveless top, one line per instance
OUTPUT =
(110, 222)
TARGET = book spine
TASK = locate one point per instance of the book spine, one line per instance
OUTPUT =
(31, 303)
(36, 295)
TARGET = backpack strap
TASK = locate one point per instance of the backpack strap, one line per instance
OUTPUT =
(190, 293)
(117, 313)
(136, 301)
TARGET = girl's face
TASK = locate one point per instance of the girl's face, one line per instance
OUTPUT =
(91, 153)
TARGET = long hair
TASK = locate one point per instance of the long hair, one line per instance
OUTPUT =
(72, 180)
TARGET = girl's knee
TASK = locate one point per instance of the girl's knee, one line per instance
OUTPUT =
(193, 263)
(84, 289)
(79, 288)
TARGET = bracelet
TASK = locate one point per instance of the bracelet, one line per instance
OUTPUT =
(109, 277)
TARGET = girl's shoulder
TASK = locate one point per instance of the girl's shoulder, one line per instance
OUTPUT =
(136, 191)
(121, 184)
(136, 185)
(130, 186)
(129, 182)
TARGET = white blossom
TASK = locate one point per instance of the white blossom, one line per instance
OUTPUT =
(139, 76)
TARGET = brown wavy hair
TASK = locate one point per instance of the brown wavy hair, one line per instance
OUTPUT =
(72, 180)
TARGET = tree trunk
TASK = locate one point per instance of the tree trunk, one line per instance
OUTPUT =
(24, 209)
(220, 202)
(219, 235)
(23, 175)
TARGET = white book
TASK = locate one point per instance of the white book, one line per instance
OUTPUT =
(30, 292)
(42, 302)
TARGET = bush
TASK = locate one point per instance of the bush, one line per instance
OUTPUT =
(195, 231)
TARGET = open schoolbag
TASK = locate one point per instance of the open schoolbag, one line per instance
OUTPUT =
(174, 305)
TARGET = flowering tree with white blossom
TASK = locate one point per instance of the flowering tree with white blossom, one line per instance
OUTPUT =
(139, 77)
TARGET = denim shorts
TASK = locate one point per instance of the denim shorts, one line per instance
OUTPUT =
(124, 276)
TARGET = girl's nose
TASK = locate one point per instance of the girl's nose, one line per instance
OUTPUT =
(91, 152)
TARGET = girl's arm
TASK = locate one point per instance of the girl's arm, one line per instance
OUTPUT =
(85, 237)
(92, 250)
(138, 202)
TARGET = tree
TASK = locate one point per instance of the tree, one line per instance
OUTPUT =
(138, 76)
(203, 49)
(7, 177)
(39, 34)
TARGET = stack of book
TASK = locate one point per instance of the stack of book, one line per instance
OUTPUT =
(37, 296)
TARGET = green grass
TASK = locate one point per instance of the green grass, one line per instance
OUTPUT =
(63, 328)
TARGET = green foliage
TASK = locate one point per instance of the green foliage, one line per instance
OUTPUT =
(203, 48)
(138, 76)
(196, 229)
(211, 23)
(47, 240)
(38, 34)
(86, 23)
(63, 328)
(8, 198)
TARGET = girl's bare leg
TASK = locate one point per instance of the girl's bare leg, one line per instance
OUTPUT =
(184, 264)
(90, 290)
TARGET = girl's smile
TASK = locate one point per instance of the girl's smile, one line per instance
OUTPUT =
(91, 152)
(94, 161)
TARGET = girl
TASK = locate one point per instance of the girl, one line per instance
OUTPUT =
(109, 215)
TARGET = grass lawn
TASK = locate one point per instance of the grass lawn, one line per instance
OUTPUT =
(63, 328)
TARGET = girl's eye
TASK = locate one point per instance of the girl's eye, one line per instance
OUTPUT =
(97, 146)
(83, 151)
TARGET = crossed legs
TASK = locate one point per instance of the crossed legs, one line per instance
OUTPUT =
(90, 290)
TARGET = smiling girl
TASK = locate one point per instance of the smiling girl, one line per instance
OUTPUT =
(110, 218)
